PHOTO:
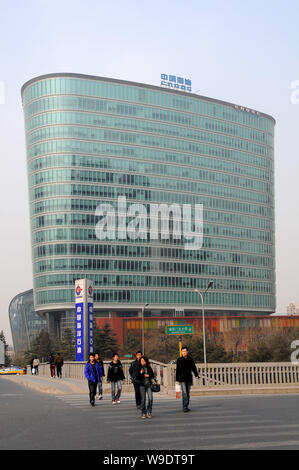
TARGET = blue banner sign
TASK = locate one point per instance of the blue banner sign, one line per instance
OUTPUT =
(79, 309)
(172, 81)
(90, 327)
(84, 319)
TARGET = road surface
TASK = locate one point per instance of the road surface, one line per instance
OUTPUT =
(38, 421)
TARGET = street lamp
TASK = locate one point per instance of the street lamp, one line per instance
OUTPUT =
(202, 296)
(143, 327)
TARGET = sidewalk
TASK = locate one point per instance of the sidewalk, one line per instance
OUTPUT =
(68, 386)
(56, 386)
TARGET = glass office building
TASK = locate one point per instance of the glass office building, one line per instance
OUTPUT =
(25, 323)
(91, 140)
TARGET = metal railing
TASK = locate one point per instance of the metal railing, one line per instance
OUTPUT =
(244, 374)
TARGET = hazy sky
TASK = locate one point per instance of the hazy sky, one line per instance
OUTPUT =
(243, 52)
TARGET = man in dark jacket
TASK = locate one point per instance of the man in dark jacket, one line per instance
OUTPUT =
(115, 375)
(58, 361)
(184, 368)
(133, 374)
(93, 373)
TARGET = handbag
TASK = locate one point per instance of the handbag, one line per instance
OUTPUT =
(155, 387)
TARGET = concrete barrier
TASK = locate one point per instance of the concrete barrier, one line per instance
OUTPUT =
(211, 376)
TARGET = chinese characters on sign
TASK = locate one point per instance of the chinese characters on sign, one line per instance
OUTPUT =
(90, 326)
(241, 108)
(84, 318)
(172, 81)
(179, 330)
(79, 332)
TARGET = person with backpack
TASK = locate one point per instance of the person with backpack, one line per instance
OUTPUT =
(100, 383)
(115, 375)
(58, 361)
(145, 376)
(31, 365)
(93, 372)
(133, 375)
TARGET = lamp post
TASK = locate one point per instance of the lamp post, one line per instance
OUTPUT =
(202, 296)
(144, 306)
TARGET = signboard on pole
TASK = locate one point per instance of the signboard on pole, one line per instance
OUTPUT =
(179, 330)
(84, 318)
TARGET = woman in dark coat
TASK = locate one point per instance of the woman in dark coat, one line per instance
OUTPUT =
(145, 376)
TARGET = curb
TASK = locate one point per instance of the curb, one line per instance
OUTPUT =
(241, 391)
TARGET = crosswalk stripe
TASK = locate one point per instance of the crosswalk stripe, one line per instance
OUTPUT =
(232, 428)
(183, 438)
(249, 445)
(201, 424)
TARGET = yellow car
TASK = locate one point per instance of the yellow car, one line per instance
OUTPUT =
(13, 370)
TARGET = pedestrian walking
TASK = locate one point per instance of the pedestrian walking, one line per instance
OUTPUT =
(115, 375)
(58, 361)
(31, 365)
(52, 365)
(133, 375)
(184, 368)
(35, 365)
(145, 376)
(100, 383)
(93, 372)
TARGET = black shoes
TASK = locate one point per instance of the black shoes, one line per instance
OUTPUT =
(185, 410)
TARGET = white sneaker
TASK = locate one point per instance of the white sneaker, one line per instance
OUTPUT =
(113, 402)
(100, 397)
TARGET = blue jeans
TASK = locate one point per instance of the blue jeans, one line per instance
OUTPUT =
(100, 387)
(146, 391)
(117, 384)
(185, 387)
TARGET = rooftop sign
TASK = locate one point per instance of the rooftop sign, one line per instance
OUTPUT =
(172, 81)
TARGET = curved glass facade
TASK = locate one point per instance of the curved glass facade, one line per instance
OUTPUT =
(25, 323)
(91, 140)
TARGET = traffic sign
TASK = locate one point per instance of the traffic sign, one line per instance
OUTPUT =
(179, 330)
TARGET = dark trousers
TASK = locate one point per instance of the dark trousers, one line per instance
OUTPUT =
(58, 370)
(137, 394)
(92, 390)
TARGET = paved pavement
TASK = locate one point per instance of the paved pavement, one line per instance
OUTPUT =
(65, 420)
(62, 386)
(55, 386)
(211, 424)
